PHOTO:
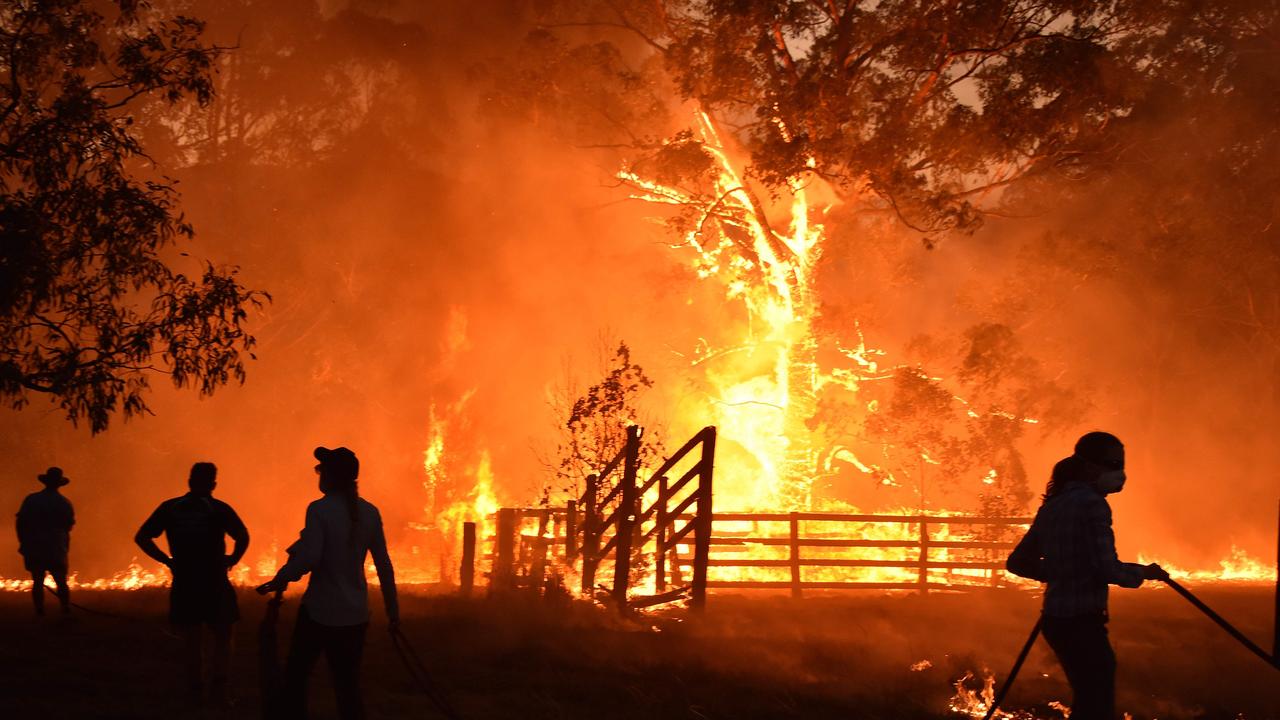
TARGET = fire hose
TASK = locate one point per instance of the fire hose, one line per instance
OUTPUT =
(1275, 662)
(1271, 660)
(418, 672)
(91, 611)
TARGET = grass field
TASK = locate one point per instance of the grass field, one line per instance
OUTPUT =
(750, 656)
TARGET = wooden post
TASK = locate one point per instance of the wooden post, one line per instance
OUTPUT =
(622, 533)
(504, 563)
(795, 555)
(590, 535)
(702, 532)
(571, 531)
(538, 574)
(468, 571)
(923, 577)
(538, 564)
(660, 556)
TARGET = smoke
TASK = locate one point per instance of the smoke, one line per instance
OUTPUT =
(422, 250)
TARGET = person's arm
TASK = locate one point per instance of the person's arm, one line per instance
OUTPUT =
(304, 554)
(1104, 558)
(20, 524)
(239, 535)
(147, 534)
(386, 573)
(1027, 559)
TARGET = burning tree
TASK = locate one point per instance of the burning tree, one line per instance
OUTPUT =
(925, 117)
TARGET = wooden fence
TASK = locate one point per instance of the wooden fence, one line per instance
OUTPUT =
(936, 552)
(625, 519)
(814, 541)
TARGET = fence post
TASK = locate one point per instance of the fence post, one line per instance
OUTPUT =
(590, 535)
(992, 555)
(702, 532)
(504, 562)
(538, 573)
(660, 557)
(795, 555)
(622, 533)
(923, 577)
(571, 531)
(467, 573)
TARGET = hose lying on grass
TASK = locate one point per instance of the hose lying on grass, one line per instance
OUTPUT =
(102, 613)
(1271, 660)
(419, 674)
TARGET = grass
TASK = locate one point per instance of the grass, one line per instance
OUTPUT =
(751, 656)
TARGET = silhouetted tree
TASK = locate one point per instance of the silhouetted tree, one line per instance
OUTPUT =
(93, 298)
(931, 108)
(593, 425)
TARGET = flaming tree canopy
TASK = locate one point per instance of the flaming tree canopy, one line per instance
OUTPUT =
(760, 125)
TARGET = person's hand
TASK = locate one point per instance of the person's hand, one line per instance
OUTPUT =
(1154, 572)
(271, 586)
(230, 561)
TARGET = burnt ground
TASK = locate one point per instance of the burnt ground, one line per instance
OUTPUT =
(753, 656)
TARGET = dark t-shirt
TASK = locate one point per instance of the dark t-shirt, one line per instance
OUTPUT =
(44, 528)
(195, 527)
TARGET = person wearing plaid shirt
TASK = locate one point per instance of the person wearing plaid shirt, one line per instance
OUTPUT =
(1071, 547)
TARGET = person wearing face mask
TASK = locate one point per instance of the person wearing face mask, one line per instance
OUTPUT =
(1071, 547)
(342, 529)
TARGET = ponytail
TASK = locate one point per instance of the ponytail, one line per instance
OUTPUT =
(351, 494)
(1068, 470)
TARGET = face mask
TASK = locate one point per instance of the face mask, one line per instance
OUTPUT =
(1111, 481)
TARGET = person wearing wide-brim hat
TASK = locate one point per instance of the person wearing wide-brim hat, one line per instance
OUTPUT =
(44, 525)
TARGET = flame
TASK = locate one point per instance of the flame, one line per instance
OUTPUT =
(1238, 567)
(976, 701)
(447, 476)
(770, 273)
(133, 577)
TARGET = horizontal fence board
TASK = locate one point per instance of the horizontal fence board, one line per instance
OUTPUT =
(841, 542)
(910, 565)
(862, 518)
(972, 544)
(852, 585)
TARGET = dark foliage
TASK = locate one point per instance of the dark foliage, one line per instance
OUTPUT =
(595, 428)
(91, 298)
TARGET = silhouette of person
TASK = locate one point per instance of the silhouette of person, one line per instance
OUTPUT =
(341, 530)
(195, 526)
(1071, 547)
(44, 524)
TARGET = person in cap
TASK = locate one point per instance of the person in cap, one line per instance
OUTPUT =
(44, 524)
(1071, 547)
(341, 530)
(195, 526)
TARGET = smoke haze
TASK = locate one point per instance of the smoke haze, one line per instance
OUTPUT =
(431, 259)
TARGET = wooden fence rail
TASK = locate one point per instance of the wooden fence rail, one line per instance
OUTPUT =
(796, 541)
(558, 530)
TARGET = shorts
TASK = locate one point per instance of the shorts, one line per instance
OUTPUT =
(39, 562)
(203, 598)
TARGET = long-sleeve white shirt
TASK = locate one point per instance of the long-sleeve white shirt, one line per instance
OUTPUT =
(333, 550)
